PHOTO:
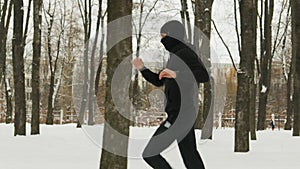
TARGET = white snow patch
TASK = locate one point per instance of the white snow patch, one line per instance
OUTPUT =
(65, 147)
(263, 89)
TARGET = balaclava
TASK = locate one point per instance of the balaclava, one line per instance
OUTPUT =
(175, 34)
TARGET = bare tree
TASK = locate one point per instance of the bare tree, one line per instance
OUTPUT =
(26, 24)
(296, 55)
(8, 98)
(4, 25)
(284, 59)
(185, 16)
(265, 62)
(289, 94)
(72, 45)
(101, 52)
(244, 73)
(36, 45)
(135, 90)
(3, 35)
(0, 7)
(253, 78)
(251, 73)
(86, 16)
(202, 43)
(94, 80)
(49, 12)
(116, 158)
(54, 57)
(18, 69)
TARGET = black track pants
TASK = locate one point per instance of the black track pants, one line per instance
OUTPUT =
(187, 147)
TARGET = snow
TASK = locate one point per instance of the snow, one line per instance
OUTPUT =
(65, 147)
(263, 89)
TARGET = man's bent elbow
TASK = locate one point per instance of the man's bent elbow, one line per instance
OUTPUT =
(203, 79)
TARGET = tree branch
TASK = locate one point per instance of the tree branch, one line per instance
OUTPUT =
(236, 27)
(228, 50)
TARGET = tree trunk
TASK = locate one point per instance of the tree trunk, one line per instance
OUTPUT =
(288, 77)
(296, 54)
(265, 65)
(203, 22)
(87, 22)
(101, 53)
(55, 80)
(18, 69)
(135, 90)
(8, 93)
(290, 109)
(97, 79)
(4, 25)
(136, 96)
(242, 113)
(197, 34)
(92, 94)
(49, 118)
(186, 19)
(253, 84)
(26, 24)
(252, 108)
(2, 39)
(114, 151)
(36, 45)
(245, 73)
(84, 94)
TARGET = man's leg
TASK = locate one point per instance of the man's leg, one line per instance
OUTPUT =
(157, 162)
(189, 153)
(155, 146)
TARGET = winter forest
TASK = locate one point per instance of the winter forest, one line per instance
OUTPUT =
(70, 97)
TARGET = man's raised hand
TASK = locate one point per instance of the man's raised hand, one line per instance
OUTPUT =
(138, 63)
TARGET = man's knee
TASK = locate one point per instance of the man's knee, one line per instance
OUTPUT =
(146, 156)
(149, 160)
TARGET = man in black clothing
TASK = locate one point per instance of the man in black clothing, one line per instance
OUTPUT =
(181, 77)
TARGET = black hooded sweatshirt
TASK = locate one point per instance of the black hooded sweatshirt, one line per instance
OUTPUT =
(181, 93)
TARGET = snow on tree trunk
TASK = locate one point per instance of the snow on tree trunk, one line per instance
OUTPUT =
(58, 84)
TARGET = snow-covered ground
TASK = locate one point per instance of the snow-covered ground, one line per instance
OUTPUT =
(65, 147)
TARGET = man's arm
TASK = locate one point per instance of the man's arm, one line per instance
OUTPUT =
(152, 77)
(200, 75)
(195, 65)
(147, 74)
